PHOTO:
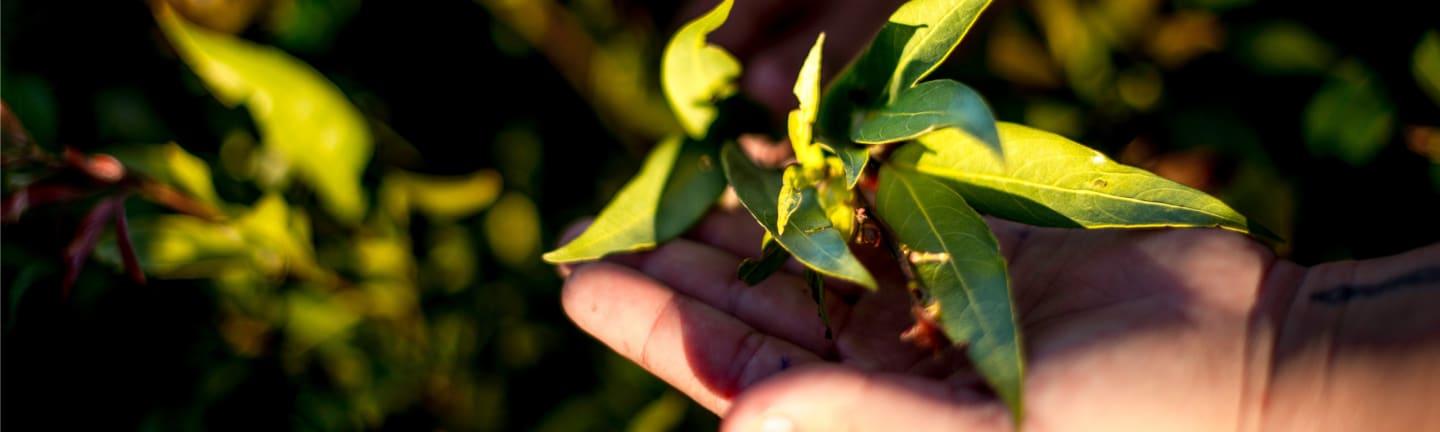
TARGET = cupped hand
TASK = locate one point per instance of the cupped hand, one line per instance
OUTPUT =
(1124, 330)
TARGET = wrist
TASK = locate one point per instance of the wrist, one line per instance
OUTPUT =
(1351, 346)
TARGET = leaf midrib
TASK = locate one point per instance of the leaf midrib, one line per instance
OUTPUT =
(965, 286)
(906, 55)
(1006, 180)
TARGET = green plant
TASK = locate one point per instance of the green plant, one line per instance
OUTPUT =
(951, 163)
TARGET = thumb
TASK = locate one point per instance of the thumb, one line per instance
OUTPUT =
(836, 398)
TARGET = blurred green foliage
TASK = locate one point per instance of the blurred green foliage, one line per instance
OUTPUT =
(475, 133)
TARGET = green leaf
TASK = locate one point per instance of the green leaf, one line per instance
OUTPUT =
(853, 158)
(513, 229)
(817, 294)
(772, 257)
(445, 198)
(302, 117)
(271, 238)
(932, 105)
(1350, 118)
(808, 235)
(958, 261)
(792, 187)
(694, 184)
(171, 164)
(696, 74)
(807, 84)
(940, 25)
(1285, 47)
(1052, 181)
(802, 120)
(627, 224)
(917, 38)
(1426, 65)
(677, 184)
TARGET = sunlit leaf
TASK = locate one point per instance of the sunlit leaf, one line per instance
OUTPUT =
(930, 106)
(1350, 118)
(171, 164)
(513, 228)
(792, 188)
(174, 246)
(916, 40)
(312, 318)
(1048, 180)
(939, 27)
(802, 119)
(837, 200)
(958, 262)
(808, 236)
(627, 224)
(302, 117)
(438, 197)
(674, 188)
(1426, 65)
(278, 238)
(696, 74)
(384, 257)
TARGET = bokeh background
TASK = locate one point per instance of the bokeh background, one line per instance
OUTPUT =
(494, 123)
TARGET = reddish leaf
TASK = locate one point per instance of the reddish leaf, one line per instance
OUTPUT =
(35, 195)
(127, 248)
(85, 238)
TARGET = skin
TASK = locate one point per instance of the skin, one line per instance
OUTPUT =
(1125, 330)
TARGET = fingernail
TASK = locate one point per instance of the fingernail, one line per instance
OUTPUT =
(775, 423)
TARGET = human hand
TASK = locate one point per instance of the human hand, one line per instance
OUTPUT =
(1153, 329)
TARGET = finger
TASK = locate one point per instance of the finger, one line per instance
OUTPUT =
(829, 398)
(780, 305)
(703, 352)
(732, 230)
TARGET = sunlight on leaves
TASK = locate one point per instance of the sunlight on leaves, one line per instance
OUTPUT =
(513, 228)
(808, 235)
(802, 119)
(302, 117)
(444, 198)
(312, 318)
(171, 164)
(696, 74)
(627, 224)
(940, 25)
(1052, 181)
(927, 107)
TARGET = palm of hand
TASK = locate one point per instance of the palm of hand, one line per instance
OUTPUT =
(1124, 330)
